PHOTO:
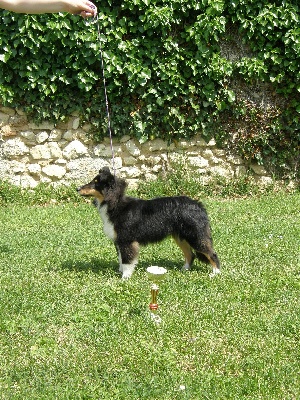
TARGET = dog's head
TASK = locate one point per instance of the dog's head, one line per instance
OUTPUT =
(104, 187)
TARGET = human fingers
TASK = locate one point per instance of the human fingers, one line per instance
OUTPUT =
(85, 9)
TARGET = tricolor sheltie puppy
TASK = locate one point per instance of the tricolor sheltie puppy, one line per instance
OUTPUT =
(131, 222)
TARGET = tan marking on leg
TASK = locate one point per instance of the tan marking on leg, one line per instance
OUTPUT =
(215, 268)
(214, 265)
(187, 252)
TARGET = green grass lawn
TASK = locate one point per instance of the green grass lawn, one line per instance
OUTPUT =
(71, 329)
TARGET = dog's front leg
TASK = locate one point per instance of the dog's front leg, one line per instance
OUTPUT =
(120, 258)
(128, 258)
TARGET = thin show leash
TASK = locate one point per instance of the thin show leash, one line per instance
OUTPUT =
(96, 20)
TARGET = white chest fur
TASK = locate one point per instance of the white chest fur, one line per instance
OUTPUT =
(108, 227)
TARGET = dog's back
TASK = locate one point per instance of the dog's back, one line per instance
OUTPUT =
(152, 220)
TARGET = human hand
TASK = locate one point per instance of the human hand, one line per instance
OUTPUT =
(84, 8)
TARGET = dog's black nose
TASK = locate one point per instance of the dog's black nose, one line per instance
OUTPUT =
(78, 189)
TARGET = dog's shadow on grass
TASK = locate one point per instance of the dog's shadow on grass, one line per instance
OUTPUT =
(160, 262)
(172, 265)
(101, 266)
(94, 265)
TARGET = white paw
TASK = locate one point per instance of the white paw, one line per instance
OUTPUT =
(125, 277)
(126, 273)
(186, 267)
(127, 270)
(215, 272)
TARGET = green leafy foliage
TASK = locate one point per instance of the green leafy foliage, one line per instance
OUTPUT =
(41, 195)
(165, 72)
(271, 30)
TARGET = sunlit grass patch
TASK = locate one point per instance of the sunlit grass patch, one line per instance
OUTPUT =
(71, 329)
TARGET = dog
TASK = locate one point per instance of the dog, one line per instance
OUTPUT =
(130, 222)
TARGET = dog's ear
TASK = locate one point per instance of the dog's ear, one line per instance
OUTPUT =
(104, 170)
(114, 193)
(105, 175)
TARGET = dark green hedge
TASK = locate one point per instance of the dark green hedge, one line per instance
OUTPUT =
(166, 76)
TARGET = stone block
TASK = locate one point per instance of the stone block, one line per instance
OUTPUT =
(132, 148)
(54, 171)
(236, 160)
(55, 150)
(83, 170)
(240, 170)
(102, 150)
(45, 125)
(208, 154)
(75, 149)
(76, 123)
(55, 135)
(200, 142)
(222, 171)
(27, 181)
(41, 137)
(151, 160)
(198, 162)
(34, 169)
(68, 136)
(129, 161)
(86, 127)
(219, 152)
(133, 183)
(98, 149)
(216, 161)
(184, 144)
(118, 163)
(131, 172)
(125, 139)
(28, 137)
(14, 147)
(83, 137)
(61, 161)
(156, 168)
(258, 169)
(7, 110)
(211, 143)
(266, 180)
(40, 152)
(6, 131)
(20, 111)
(17, 167)
(4, 118)
(155, 145)
(150, 177)
(4, 169)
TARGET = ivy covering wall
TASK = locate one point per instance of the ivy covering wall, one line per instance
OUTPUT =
(166, 73)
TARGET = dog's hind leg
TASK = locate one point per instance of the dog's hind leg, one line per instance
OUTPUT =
(214, 261)
(205, 249)
(128, 258)
(200, 240)
(187, 252)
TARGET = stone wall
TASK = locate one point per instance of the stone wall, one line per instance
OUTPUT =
(63, 154)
